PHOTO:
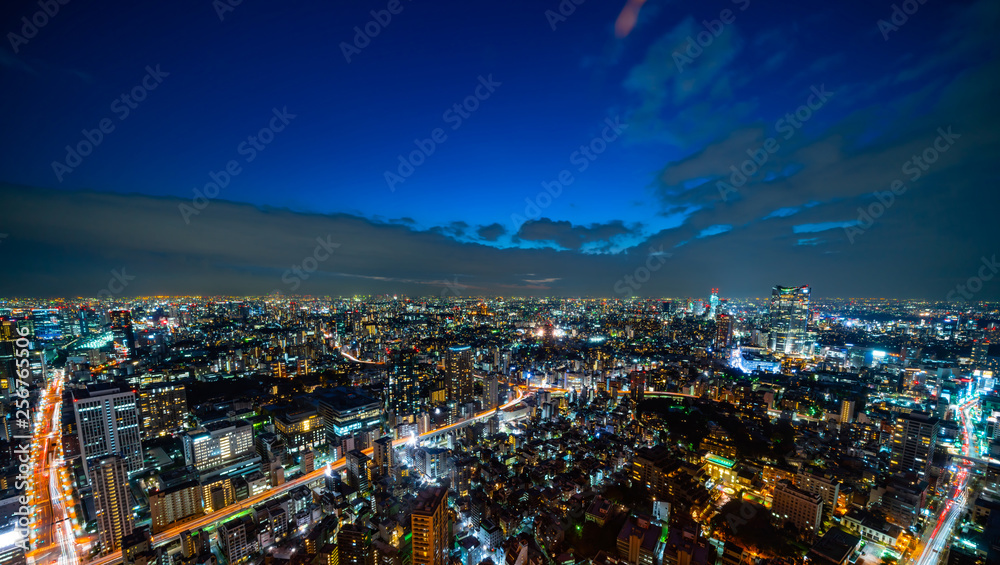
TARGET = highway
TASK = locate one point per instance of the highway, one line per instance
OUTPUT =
(229, 511)
(931, 549)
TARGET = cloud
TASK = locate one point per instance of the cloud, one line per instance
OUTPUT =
(491, 232)
(567, 236)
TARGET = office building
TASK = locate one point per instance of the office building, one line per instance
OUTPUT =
(162, 408)
(47, 323)
(431, 530)
(174, 504)
(803, 509)
(846, 412)
(358, 470)
(346, 412)
(914, 439)
(112, 507)
(401, 393)
(354, 546)
(238, 539)
(820, 484)
(300, 430)
(789, 315)
(639, 541)
(122, 332)
(218, 444)
(723, 331)
(384, 457)
(107, 423)
(458, 374)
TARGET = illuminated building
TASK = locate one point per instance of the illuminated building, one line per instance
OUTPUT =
(823, 485)
(300, 430)
(122, 332)
(383, 455)
(358, 470)
(238, 539)
(174, 504)
(107, 423)
(801, 508)
(47, 323)
(431, 530)
(458, 374)
(401, 388)
(113, 511)
(218, 444)
(347, 411)
(914, 439)
(162, 408)
(723, 331)
(789, 315)
(354, 546)
(639, 541)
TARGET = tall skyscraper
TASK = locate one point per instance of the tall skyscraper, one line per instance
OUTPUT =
(107, 423)
(491, 385)
(109, 479)
(401, 388)
(431, 531)
(914, 439)
(723, 331)
(458, 374)
(121, 330)
(358, 472)
(789, 318)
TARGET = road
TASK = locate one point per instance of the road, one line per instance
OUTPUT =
(931, 549)
(229, 511)
(53, 540)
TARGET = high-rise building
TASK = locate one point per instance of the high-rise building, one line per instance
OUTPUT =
(354, 546)
(358, 471)
(107, 423)
(383, 455)
(122, 332)
(846, 412)
(401, 387)
(458, 374)
(113, 510)
(301, 429)
(217, 444)
(816, 482)
(723, 331)
(238, 539)
(8, 363)
(47, 323)
(789, 316)
(491, 386)
(431, 531)
(914, 439)
(162, 407)
(803, 509)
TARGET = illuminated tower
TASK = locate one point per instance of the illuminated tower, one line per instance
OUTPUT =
(458, 374)
(713, 303)
(431, 531)
(401, 388)
(109, 479)
(723, 331)
(789, 319)
(121, 330)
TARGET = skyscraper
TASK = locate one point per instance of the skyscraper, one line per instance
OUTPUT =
(458, 374)
(490, 392)
(429, 522)
(789, 319)
(383, 455)
(358, 472)
(914, 439)
(109, 479)
(723, 331)
(354, 546)
(107, 423)
(121, 330)
(401, 388)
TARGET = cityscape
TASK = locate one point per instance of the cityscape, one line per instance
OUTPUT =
(518, 282)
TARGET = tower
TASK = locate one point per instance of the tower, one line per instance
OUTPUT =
(914, 439)
(789, 318)
(429, 522)
(458, 374)
(109, 479)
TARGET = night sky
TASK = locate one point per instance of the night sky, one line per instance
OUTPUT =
(511, 148)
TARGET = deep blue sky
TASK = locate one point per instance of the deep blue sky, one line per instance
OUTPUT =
(655, 186)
